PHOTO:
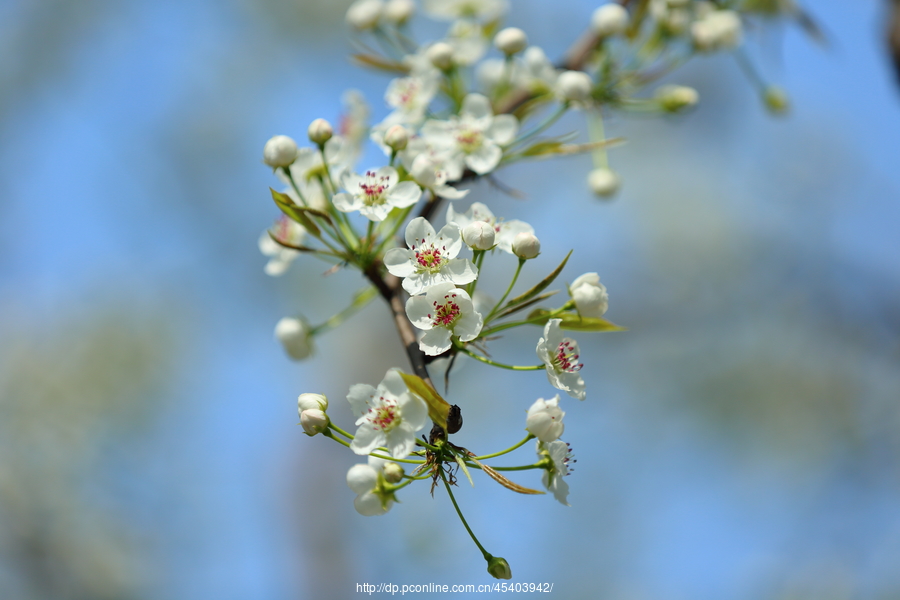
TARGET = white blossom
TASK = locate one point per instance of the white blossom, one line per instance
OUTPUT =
(313, 421)
(526, 245)
(398, 12)
(560, 356)
(410, 97)
(319, 131)
(474, 138)
(430, 173)
(545, 419)
(376, 193)
(604, 182)
(368, 482)
(486, 10)
(308, 401)
(718, 30)
(295, 335)
(479, 235)
(511, 40)
(591, 299)
(389, 415)
(430, 258)
(574, 87)
(560, 454)
(673, 98)
(364, 14)
(506, 231)
(441, 55)
(609, 19)
(443, 312)
(279, 151)
(280, 257)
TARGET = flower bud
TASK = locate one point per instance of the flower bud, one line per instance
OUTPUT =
(396, 137)
(574, 86)
(313, 421)
(499, 568)
(526, 245)
(479, 235)
(673, 98)
(591, 299)
(294, 335)
(776, 100)
(319, 131)
(511, 40)
(280, 151)
(398, 12)
(545, 420)
(364, 14)
(393, 473)
(441, 55)
(604, 182)
(310, 401)
(719, 30)
(609, 20)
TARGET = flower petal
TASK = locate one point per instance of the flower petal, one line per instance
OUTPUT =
(435, 341)
(504, 128)
(399, 262)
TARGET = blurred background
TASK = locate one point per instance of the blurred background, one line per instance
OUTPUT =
(739, 441)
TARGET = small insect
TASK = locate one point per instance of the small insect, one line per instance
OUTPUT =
(454, 419)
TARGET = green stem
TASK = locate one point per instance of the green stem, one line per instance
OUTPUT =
(506, 293)
(485, 553)
(596, 134)
(488, 361)
(543, 317)
(290, 176)
(508, 450)
(399, 460)
(477, 255)
(553, 118)
(359, 301)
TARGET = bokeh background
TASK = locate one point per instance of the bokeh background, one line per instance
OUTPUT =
(739, 441)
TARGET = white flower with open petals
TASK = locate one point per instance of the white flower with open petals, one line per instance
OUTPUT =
(545, 419)
(560, 355)
(486, 10)
(368, 481)
(389, 415)
(430, 259)
(410, 97)
(560, 454)
(281, 257)
(474, 138)
(443, 312)
(376, 193)
(430, 174)
(506, 231)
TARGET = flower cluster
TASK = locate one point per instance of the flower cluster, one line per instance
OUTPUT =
(458, 109)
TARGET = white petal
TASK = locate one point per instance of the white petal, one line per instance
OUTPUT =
(485, 159)
(367, 439)
(461, 271)
(344, 202)
(398, 262)
(400, 442)
(469, 326)
(418, 309)
(369, 505)
(419, 232)
(360, 398)
(377, 212)
(449, 192)
(504, 128)
(414, 412)
(451, 239)
(362, 478)
(405, 193)
(476, 106)
(393, 384)
(435, 341)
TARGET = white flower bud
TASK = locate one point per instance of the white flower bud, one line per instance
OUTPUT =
(396, 137)
(310, 401)
(545, 420)
(591, 299)
(295, 337)
(398, 12)
(441, 55)
(604, 182)
(280, 151)
(673, 98)
(609, 20)
(364, 14)
(319, 131)
(393, 473)
(526, 245)
(479, 235)
(719, 30)
(574, 86)
(313, 421)
(511, 40)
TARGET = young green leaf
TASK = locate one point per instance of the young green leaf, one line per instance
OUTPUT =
(438, 408)
(540, 287)
(296, 213)
(573, 322)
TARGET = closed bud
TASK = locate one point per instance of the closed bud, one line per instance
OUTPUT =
(319, 131)
(364, 14)
(398, 12)
(776, 100)
(574, 86)
(294, 335)
(511, 40)
(526, 245)
(280, 151)
(499, 568)
(313, 421)
(479, 235)
(393, 473)
(609, 20)
(673, 98)
(308, 401)
(604, 182)
(396, 137)
(441, 55)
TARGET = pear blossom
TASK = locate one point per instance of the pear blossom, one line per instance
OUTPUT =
(441, 55)
(398, 12)
(373, 498)
(474, 138)
(468, 39)
(609, 19)
(560, 355)
(313, 421)
(376, 193)
(545, 419)
(280, 257)
(511, 40)
(479, 235)
(718, 30)
(308, 401)
(279, 151)
(396, 137)
(486, 10)
(526, 245)
(364, 14)
(296, 336)
(430, 258)
(320, 131)
(353, 125)
(506, 231)
(410, 97)
(673, 98)
(574, 87)
(309, 166)
(443, 312)
(591, 299)
(389, 415)
(560, 454)
(604, 182)
(429, 172)
(532, 72)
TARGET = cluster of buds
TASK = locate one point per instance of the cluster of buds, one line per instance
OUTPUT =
(439, 134)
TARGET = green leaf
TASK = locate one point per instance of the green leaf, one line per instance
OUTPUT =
(525, 305)
(296, 213)
(574, 322)
(380, 63)
(508, 484)
(465, 469)
(438, 408)
(287, 245)
(540, 287)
